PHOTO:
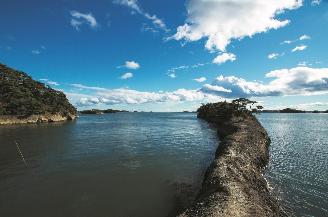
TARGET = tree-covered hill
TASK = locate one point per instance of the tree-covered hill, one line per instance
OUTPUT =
(22, 96)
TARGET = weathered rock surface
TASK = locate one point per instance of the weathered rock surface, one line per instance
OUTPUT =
(46, 118)
(234, 184)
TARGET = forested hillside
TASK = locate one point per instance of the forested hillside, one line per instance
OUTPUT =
(20, 95)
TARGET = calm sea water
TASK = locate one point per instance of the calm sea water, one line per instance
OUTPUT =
(124, 164)
(298, 169)
(144, 164)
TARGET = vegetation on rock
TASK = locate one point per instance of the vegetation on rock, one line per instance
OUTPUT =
(99, 112)
(22, 96)
(225, 110)
(289, 110)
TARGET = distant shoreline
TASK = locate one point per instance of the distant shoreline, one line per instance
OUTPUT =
(99, 111)
(291, 111)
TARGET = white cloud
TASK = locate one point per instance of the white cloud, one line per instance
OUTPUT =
(79, 19)
(304, 37)
(301, 38)
(287, 42)
(200, 80)
(134, 5)
(304, 63)
(221, 21)
(82, 87)
(49, 82)
(224, 57)
(132, 65)
(54, 83)
(294, 81)
(315, 2)
(172, 75)
(284, 82)
(105, 96)
(216, 88)
(299, 48)
(273, 56)
(173, 70)
(127, 75)
(156, 21)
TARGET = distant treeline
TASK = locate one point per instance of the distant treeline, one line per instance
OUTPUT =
(20, 95)
(98, 111)
(290, 110)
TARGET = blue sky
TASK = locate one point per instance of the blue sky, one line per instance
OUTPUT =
(171, 55)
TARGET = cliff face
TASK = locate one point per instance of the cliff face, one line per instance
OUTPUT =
(234, 185)
(23, 100)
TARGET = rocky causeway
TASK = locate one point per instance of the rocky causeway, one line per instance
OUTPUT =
(234, 184)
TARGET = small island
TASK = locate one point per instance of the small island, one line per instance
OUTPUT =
(291, 110)
(24, 100)
(100, 112)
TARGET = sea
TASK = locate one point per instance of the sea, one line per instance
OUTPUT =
(148, 164)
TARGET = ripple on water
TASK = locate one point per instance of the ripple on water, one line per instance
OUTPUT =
(298, 167)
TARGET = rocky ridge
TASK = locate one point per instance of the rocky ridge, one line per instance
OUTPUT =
(234, 184)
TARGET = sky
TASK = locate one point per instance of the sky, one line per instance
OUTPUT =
(171, 55)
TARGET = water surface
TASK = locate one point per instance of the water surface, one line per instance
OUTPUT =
(298, 168)
(124, 164)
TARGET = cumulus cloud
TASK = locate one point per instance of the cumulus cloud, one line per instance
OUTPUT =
(221, 21)
(132, 65)
(127, 75)
(294, 81)
(224, 57)
(299, 48)
(134, 5)
(129, 96)
(215, 89)
(200, 80)
(78, 19)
